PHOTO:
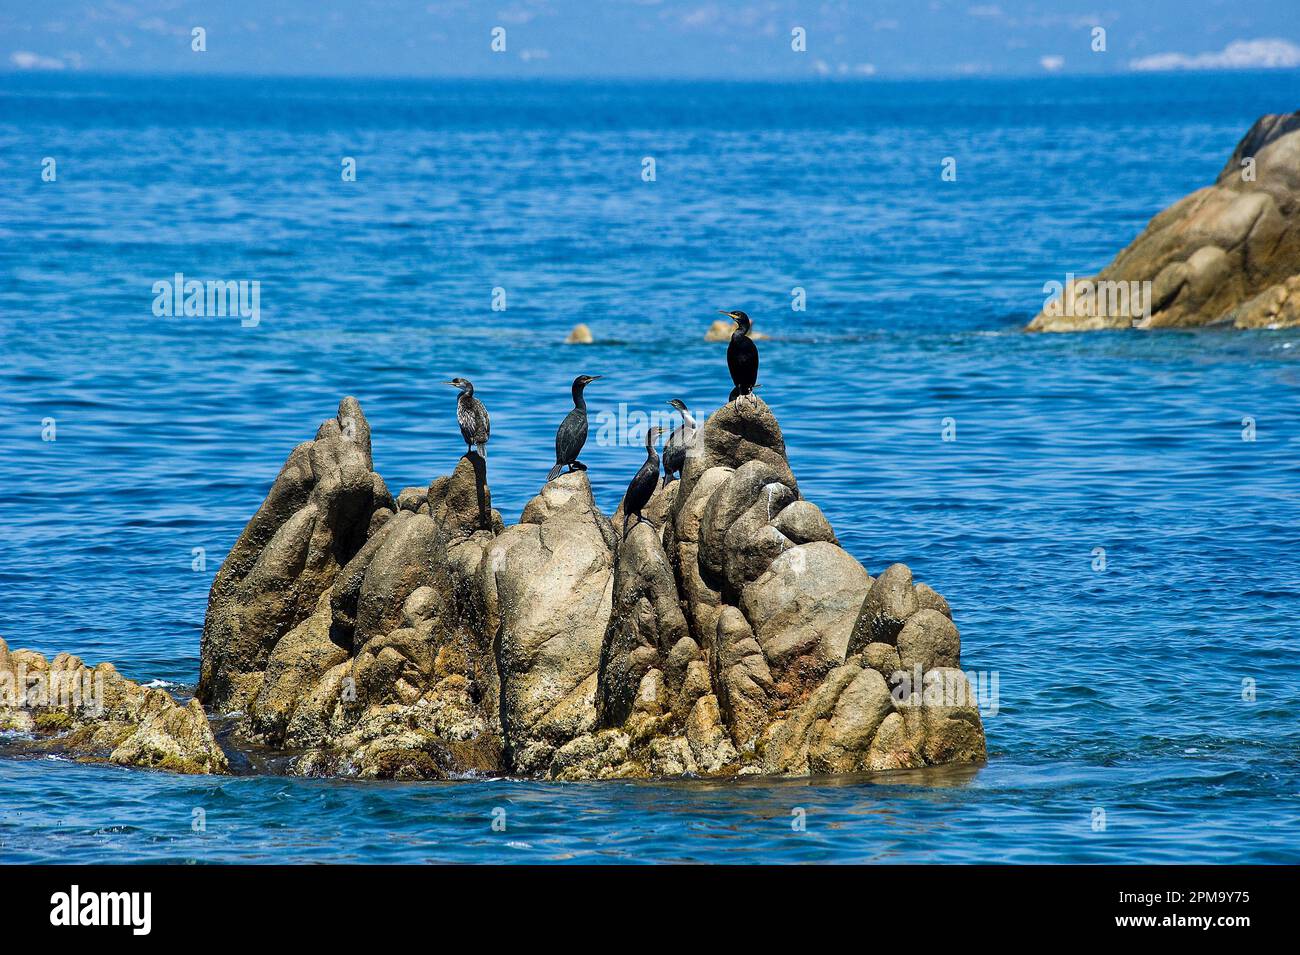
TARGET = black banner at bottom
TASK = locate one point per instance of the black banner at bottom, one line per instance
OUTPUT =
(332, 904)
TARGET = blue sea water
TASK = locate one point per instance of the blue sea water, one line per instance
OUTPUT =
(1120, 691)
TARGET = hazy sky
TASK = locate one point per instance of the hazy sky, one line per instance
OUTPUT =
(647, 38)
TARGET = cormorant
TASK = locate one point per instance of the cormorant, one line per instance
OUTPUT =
(678, 443)
(643, 484)
(472, 417)
(572, 434)
(742, 356)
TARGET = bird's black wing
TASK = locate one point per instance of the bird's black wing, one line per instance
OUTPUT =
(642, 488)
(675, 450)
(742, 361)
(571, 436)
(466, 419)
(482, 423)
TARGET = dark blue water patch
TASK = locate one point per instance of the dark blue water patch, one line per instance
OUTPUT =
(1047, 807)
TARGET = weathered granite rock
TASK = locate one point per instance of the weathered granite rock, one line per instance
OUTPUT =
(890, 601)
(1228, 253)
(646, 623)
(928, 640)
(1278, 306)
(935, 722)
(580, 335)
(94, 714)
(315, 518)
(420, 638)
(549, 583)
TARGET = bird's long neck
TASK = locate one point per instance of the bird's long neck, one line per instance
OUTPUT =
(688, 420)
(468, 392)
(579, 400)
(650, 453)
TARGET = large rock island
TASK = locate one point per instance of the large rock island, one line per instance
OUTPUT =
(1228, 254)
(418, 637)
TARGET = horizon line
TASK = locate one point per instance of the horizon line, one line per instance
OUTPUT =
(730, 79)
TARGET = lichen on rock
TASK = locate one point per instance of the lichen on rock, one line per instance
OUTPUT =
(94, 714)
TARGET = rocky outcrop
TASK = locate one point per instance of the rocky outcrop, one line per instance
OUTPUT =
(727, 633)
(94, 714)
(320, 510)
(580, 335)
(548, 583)
(1226, 254)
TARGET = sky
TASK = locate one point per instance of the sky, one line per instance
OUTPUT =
(667, 39)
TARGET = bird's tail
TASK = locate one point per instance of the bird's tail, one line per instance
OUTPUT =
(555, 472)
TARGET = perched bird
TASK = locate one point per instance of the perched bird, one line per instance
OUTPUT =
(472, 417)
(643, 483)
(572, 434)
(742, 356)
(678, 442)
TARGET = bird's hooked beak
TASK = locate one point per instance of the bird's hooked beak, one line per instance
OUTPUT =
(730, 315)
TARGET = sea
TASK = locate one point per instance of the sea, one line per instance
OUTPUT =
(1113, 517)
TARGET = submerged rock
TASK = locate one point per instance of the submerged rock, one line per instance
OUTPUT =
(720, 331)
(421, 638)
(1228, 253)
(94, 714)
(580, 335)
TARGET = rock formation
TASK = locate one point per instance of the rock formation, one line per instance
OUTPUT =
(728, 634)
(1226, 254)
(580, 335)
(420, 638)
(95, 714)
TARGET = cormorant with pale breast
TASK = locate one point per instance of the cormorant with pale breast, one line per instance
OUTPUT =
(742, 356)
(572, 434)
(475, 426)
(678, 443)
(643, 483)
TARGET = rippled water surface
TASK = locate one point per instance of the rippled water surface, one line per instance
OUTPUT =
(1119, 690)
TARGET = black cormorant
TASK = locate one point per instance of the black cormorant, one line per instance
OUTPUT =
(678, 443)
(643, 484)
(472, 417)
(742, 356)
(572, 434)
